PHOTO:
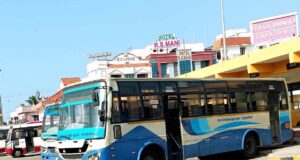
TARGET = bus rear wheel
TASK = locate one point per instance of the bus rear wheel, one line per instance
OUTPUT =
(17, 153)
(149, 155)
(250, 147)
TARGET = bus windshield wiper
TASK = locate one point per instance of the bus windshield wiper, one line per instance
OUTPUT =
(66, 137)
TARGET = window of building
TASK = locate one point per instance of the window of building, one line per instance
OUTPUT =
(193, 105)
(35, 117)
(185, 66)
(204, 63)
(116, 76)
(128, 75)
(175, 69)
(163, 70)
(142, 76)
(154, 70)
(242, 50)
(196, 65)
(219, 57)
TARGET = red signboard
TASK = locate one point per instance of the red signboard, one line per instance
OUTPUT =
(274, 29)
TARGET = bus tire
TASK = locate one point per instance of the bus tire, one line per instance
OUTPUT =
(17, 153)
(250, 147)
(149, 155)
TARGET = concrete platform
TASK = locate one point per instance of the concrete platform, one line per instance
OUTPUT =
(288, 153)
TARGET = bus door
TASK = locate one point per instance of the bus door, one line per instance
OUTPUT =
(29, 134)
(173, 131)
(273, 107)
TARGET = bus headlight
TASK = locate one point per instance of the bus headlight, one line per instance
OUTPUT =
(44, 149)
(95, 156)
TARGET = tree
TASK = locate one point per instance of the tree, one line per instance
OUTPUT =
(32, 100)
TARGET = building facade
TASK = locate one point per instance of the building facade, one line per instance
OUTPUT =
(166, 57)
(23, 114)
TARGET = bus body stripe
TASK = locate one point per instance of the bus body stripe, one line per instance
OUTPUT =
(76, 103)
(82, 88)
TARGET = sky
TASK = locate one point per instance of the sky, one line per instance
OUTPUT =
(43, 41)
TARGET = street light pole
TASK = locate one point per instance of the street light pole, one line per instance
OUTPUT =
(224, 33)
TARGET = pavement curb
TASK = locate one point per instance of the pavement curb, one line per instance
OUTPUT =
(284, 158)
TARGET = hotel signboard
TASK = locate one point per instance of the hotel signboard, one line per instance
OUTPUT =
(274, 29)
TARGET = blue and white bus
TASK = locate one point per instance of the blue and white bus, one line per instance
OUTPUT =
(171, 119)
(49, 132)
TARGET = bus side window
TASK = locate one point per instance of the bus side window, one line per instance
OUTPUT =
(130, 108)
(116, 111)
(152, 108)
(258, 101)
(216, 103)
(283, 101)
(193, 105)
(240, 104)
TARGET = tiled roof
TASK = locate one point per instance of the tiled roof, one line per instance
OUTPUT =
(129, 65)
(232, 41)
(56, 98)
(67, 81)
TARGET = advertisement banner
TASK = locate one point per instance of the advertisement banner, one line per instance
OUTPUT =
(274, 29)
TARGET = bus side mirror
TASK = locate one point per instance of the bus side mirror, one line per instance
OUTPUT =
(101, 114)
(96, 97)
(117, 132)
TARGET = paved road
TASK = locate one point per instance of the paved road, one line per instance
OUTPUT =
(35, 157)
(264, 153)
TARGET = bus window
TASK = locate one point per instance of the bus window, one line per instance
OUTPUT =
(193, 105)
(238, 102)
(215, 86)
(128, 87)
(168, 87)
(217, 103)
(116, 111)
(255, 85)
(258, 101)
(283, 101)
(236, 85)
(149, 87)
(190, 86)
(152, 109)
(131, 108)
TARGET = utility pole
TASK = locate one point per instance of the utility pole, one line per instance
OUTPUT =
(224, 33)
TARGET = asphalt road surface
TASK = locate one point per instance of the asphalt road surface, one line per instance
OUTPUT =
(228, 156)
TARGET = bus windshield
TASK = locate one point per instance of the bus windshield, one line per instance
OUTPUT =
(78, 116)
(50, 122)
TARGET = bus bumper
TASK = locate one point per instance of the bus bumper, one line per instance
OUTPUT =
(49, 156)
(101, 154)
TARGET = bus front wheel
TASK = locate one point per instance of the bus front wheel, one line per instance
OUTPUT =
(149, 155)
(250, 147)
(17, 153)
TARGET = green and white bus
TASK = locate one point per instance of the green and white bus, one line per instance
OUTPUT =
(171, 119)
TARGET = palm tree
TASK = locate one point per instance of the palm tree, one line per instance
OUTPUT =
(32, 100)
